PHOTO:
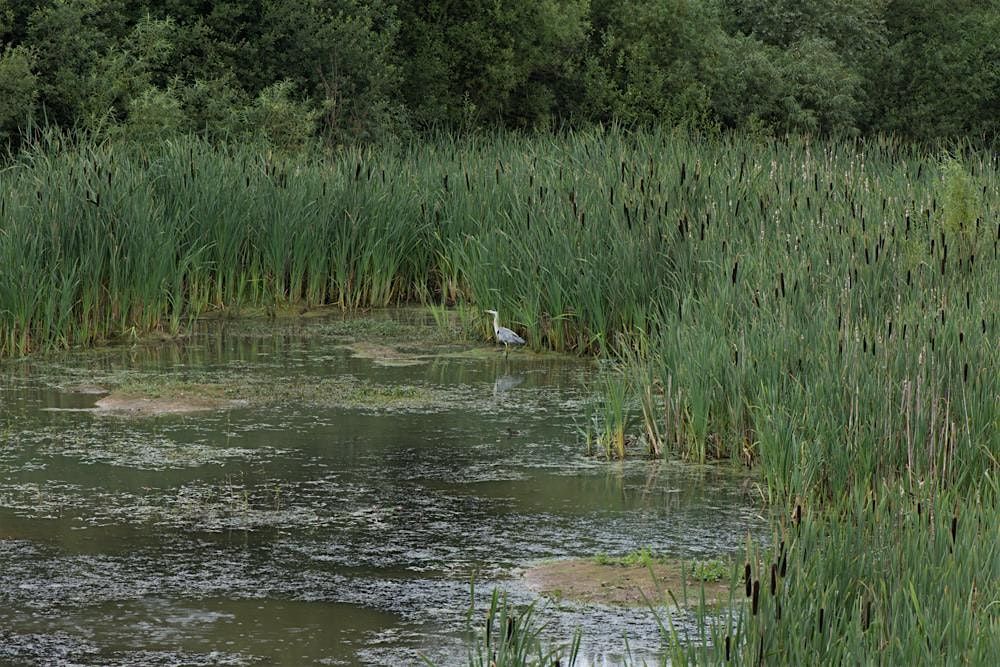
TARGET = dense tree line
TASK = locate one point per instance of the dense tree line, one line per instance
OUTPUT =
(363, 70)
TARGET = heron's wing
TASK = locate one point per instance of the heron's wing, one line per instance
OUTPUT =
(508, 336)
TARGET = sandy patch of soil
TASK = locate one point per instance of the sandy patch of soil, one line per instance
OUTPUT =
(144, 406)
(586, 581)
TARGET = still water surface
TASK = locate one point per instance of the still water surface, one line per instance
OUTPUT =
(297, 530)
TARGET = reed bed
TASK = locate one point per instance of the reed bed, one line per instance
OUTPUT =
(826, 312)
(512, 637)
(829, 308)
(884, 578)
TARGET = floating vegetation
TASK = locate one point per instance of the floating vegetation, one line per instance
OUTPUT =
(385, 355)
(124, 525)
(415, 326)
(109, 443)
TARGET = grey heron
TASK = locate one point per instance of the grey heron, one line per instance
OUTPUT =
(503, 334)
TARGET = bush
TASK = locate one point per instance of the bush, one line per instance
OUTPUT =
(18, 90)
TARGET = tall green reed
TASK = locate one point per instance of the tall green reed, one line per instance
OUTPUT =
(825, 311)
(512, 637)
(885, 578)
(825, 308)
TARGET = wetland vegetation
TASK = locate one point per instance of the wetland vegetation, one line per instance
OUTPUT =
(823, 312)
(773, 224)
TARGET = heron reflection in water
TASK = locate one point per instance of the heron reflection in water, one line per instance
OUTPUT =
(505, 383)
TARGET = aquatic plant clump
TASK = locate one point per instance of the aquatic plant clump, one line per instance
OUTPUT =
(890, 579)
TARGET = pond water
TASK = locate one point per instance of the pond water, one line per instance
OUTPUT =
(335, 514)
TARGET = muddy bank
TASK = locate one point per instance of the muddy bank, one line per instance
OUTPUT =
(141, 406)
(590, 582)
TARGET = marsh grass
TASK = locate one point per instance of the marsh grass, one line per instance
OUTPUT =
(823, 311)
(885, 578)
(512, 637)
(609, 420)
(824, 307)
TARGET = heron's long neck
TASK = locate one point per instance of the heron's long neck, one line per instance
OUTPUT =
(496, 322)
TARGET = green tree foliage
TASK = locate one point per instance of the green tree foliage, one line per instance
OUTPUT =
(473, 62)
(821, 92)
(941, 72)
(801, 65)
(655, 60)
(276, 115)
(69, 47)
(854, 28)
(364, 70)
(338, 53)
(131, 81)
(18, 89)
